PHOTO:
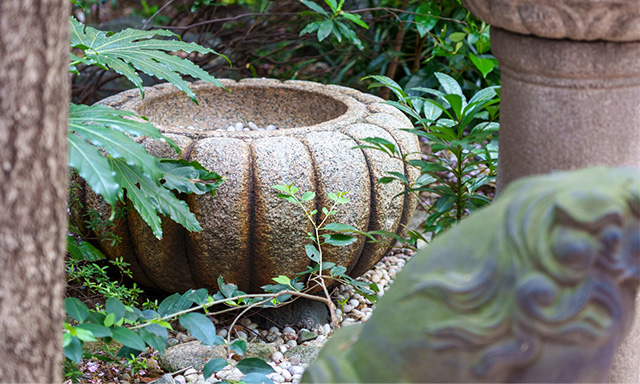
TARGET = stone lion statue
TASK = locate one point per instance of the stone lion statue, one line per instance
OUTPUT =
(538, 287)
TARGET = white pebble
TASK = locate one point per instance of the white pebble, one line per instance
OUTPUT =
(180, 379)
(296, 370)
(274, 331)
(292, 343)
(277, 369)
(222, 333)
(191, 127)
(354, 303)
(283, 348)
(276, 377)
(277, 356)
(321, 338)
(296, 378)
(271, 127)
(375, 278)
(231, 128)
(239, 126)
(191, 375)
(252, 126)
(245, 321)
(327, 329)
(286, 375)
(242, 335)
(288, 330)
(346, 308)
(285, 364)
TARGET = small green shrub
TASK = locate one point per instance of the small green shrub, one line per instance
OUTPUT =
(461, 136)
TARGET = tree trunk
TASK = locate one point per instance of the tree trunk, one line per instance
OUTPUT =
(34, 96)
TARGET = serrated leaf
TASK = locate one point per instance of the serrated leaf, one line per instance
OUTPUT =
(76, 309)
(254, 365)
(128, 338)
(93, 168)
(200, 327)
(149, 198)
(213, 366)
(120, 120)
(131, 50)
(189, 177)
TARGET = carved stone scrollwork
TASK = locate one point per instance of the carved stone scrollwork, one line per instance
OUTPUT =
(538, 287)
(608, 20)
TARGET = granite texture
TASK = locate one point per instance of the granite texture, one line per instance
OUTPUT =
(249, 234)
(609, 20)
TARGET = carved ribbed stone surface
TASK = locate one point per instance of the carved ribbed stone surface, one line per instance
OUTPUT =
(249, 234)
(608, 20)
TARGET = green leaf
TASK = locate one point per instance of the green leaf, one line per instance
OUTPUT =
(120, 120)
(200, 327)
(445, 203)
(239, 346)
(284, 280)
(457, 36)
(189, 177)
(73, 349)
(325, 29)
(338, 270)
(425, 16)
(198, 297)
(93, 168)
(355, 19)
(114, 306)
(76, 309)
(131, 50)
(310, 28)
(308, 196)
(154, 341)
(83, 250)
(128, 338)
(254, 365)
(287, 197)
(97, 330)
(84, 334)
(384, 81)
(109, 320)
(314, 7)
(484, 65)
(333, 5)
(312, 252)
(456, 104)
(339, 239)
(149, 198)
(450, 85)
(337, 227)
(213, 366)
(172, 304)
(256, 378)
(118, 145)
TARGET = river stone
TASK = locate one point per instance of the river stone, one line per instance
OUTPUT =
(304, 353)
(193, 354)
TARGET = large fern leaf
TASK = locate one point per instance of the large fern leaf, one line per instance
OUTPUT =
(131, 50)
(150, 198)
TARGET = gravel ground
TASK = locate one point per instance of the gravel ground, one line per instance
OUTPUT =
(351, 307)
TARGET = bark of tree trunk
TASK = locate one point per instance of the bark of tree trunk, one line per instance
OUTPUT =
(34, 96)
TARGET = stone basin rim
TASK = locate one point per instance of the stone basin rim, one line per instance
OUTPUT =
(131, 100)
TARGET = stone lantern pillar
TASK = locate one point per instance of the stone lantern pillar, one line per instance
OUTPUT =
(570, 96)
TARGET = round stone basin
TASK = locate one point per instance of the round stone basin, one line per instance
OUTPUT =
(249, 234)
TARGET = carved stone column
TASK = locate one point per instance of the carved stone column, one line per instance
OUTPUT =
(570, 95)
